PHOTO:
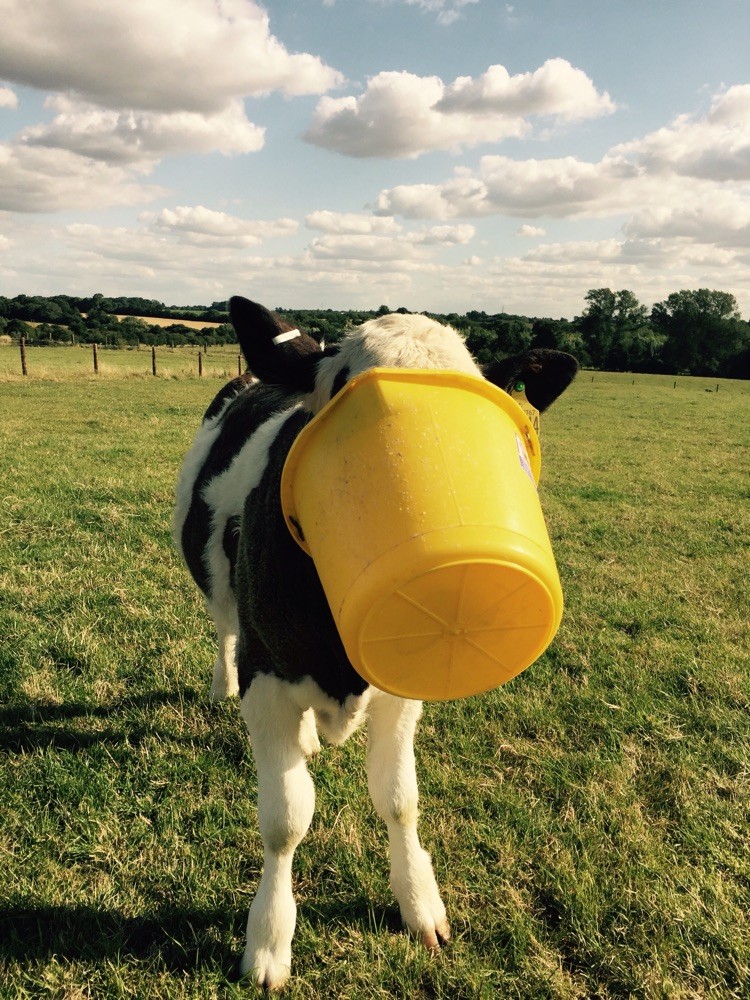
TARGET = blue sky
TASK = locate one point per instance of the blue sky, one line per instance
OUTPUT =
(435, 154)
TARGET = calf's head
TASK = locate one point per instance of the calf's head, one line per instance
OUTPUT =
(293, 361)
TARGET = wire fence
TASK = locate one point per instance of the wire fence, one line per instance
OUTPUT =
(24, 360)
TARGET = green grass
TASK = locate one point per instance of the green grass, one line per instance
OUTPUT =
(77, 362)
(588, 822)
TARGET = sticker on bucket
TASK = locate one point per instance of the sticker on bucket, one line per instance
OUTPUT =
(523, 457)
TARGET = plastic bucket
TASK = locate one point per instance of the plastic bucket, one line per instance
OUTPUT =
(414, 491)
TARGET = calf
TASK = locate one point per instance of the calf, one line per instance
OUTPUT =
(278, 647)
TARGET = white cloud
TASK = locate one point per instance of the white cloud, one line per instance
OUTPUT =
(406, 247)
(167, 254)
(716, 147)
(395, 117)
(131, 137)
(351, 222)
(46, 180)
(201, 226)
(557, 187)
(123, 246)
(354, 247)
(682, 193)
(404, 115)
(550, 280)
(527, 231)
(575, 251)
(556, 276)
(177, 55)
(8, 98)
(554, 187)
(134, 83)
(443, 235)
(555, 89)
(447, 11)
(717, 216)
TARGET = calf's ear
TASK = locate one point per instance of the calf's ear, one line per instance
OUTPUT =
(546, 374)
(276, 352)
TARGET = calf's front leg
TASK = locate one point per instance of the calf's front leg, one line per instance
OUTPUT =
(392, 780)
(286, 800)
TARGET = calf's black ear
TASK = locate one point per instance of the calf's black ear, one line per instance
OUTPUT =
(276, 352)
(545, 373)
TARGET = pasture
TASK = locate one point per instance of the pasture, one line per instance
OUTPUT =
(65, 362)
(588, 822)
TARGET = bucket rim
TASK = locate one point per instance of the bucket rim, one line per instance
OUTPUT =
(448, 378)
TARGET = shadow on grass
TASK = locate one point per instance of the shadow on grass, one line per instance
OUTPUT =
(27, 725)
(180, 940)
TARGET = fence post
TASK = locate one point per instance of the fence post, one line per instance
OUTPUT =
(22, 345)
(200, 365)
(153, 360)
(96, 359)
(239, 364)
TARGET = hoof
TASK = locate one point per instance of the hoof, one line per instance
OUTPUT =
(432, 939)
(224, 682)
(264, 971)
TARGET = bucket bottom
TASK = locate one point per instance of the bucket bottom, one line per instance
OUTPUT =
(457, 630)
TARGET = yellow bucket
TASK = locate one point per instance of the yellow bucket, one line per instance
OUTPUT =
(414, 491)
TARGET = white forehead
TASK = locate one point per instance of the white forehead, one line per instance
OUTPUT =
(394, 341)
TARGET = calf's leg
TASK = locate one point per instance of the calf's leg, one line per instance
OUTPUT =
(224, 681)
(392, 780)
(286, 798)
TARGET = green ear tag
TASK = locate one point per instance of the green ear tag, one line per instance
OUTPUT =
(519, 394)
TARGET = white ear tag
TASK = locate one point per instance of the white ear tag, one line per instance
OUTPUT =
(282, 338)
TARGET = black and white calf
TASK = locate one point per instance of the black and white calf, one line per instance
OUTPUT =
(278, 644)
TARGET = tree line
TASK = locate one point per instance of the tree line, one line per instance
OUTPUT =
(696, 332)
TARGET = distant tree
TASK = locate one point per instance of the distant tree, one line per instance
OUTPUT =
(544, 333)
(482, 342)
(556, 334)
(702, 330)
(492, 336)
(17, 328)
(738, 366)
(224, 334)
(636, 343)
(596, 325)
(615, 330)
(514, 334)
(132, 331)
(76, 326)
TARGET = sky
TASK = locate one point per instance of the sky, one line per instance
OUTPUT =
(440, 155)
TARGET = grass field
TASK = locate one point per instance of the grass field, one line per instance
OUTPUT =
(588, 822)
(63, 363)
